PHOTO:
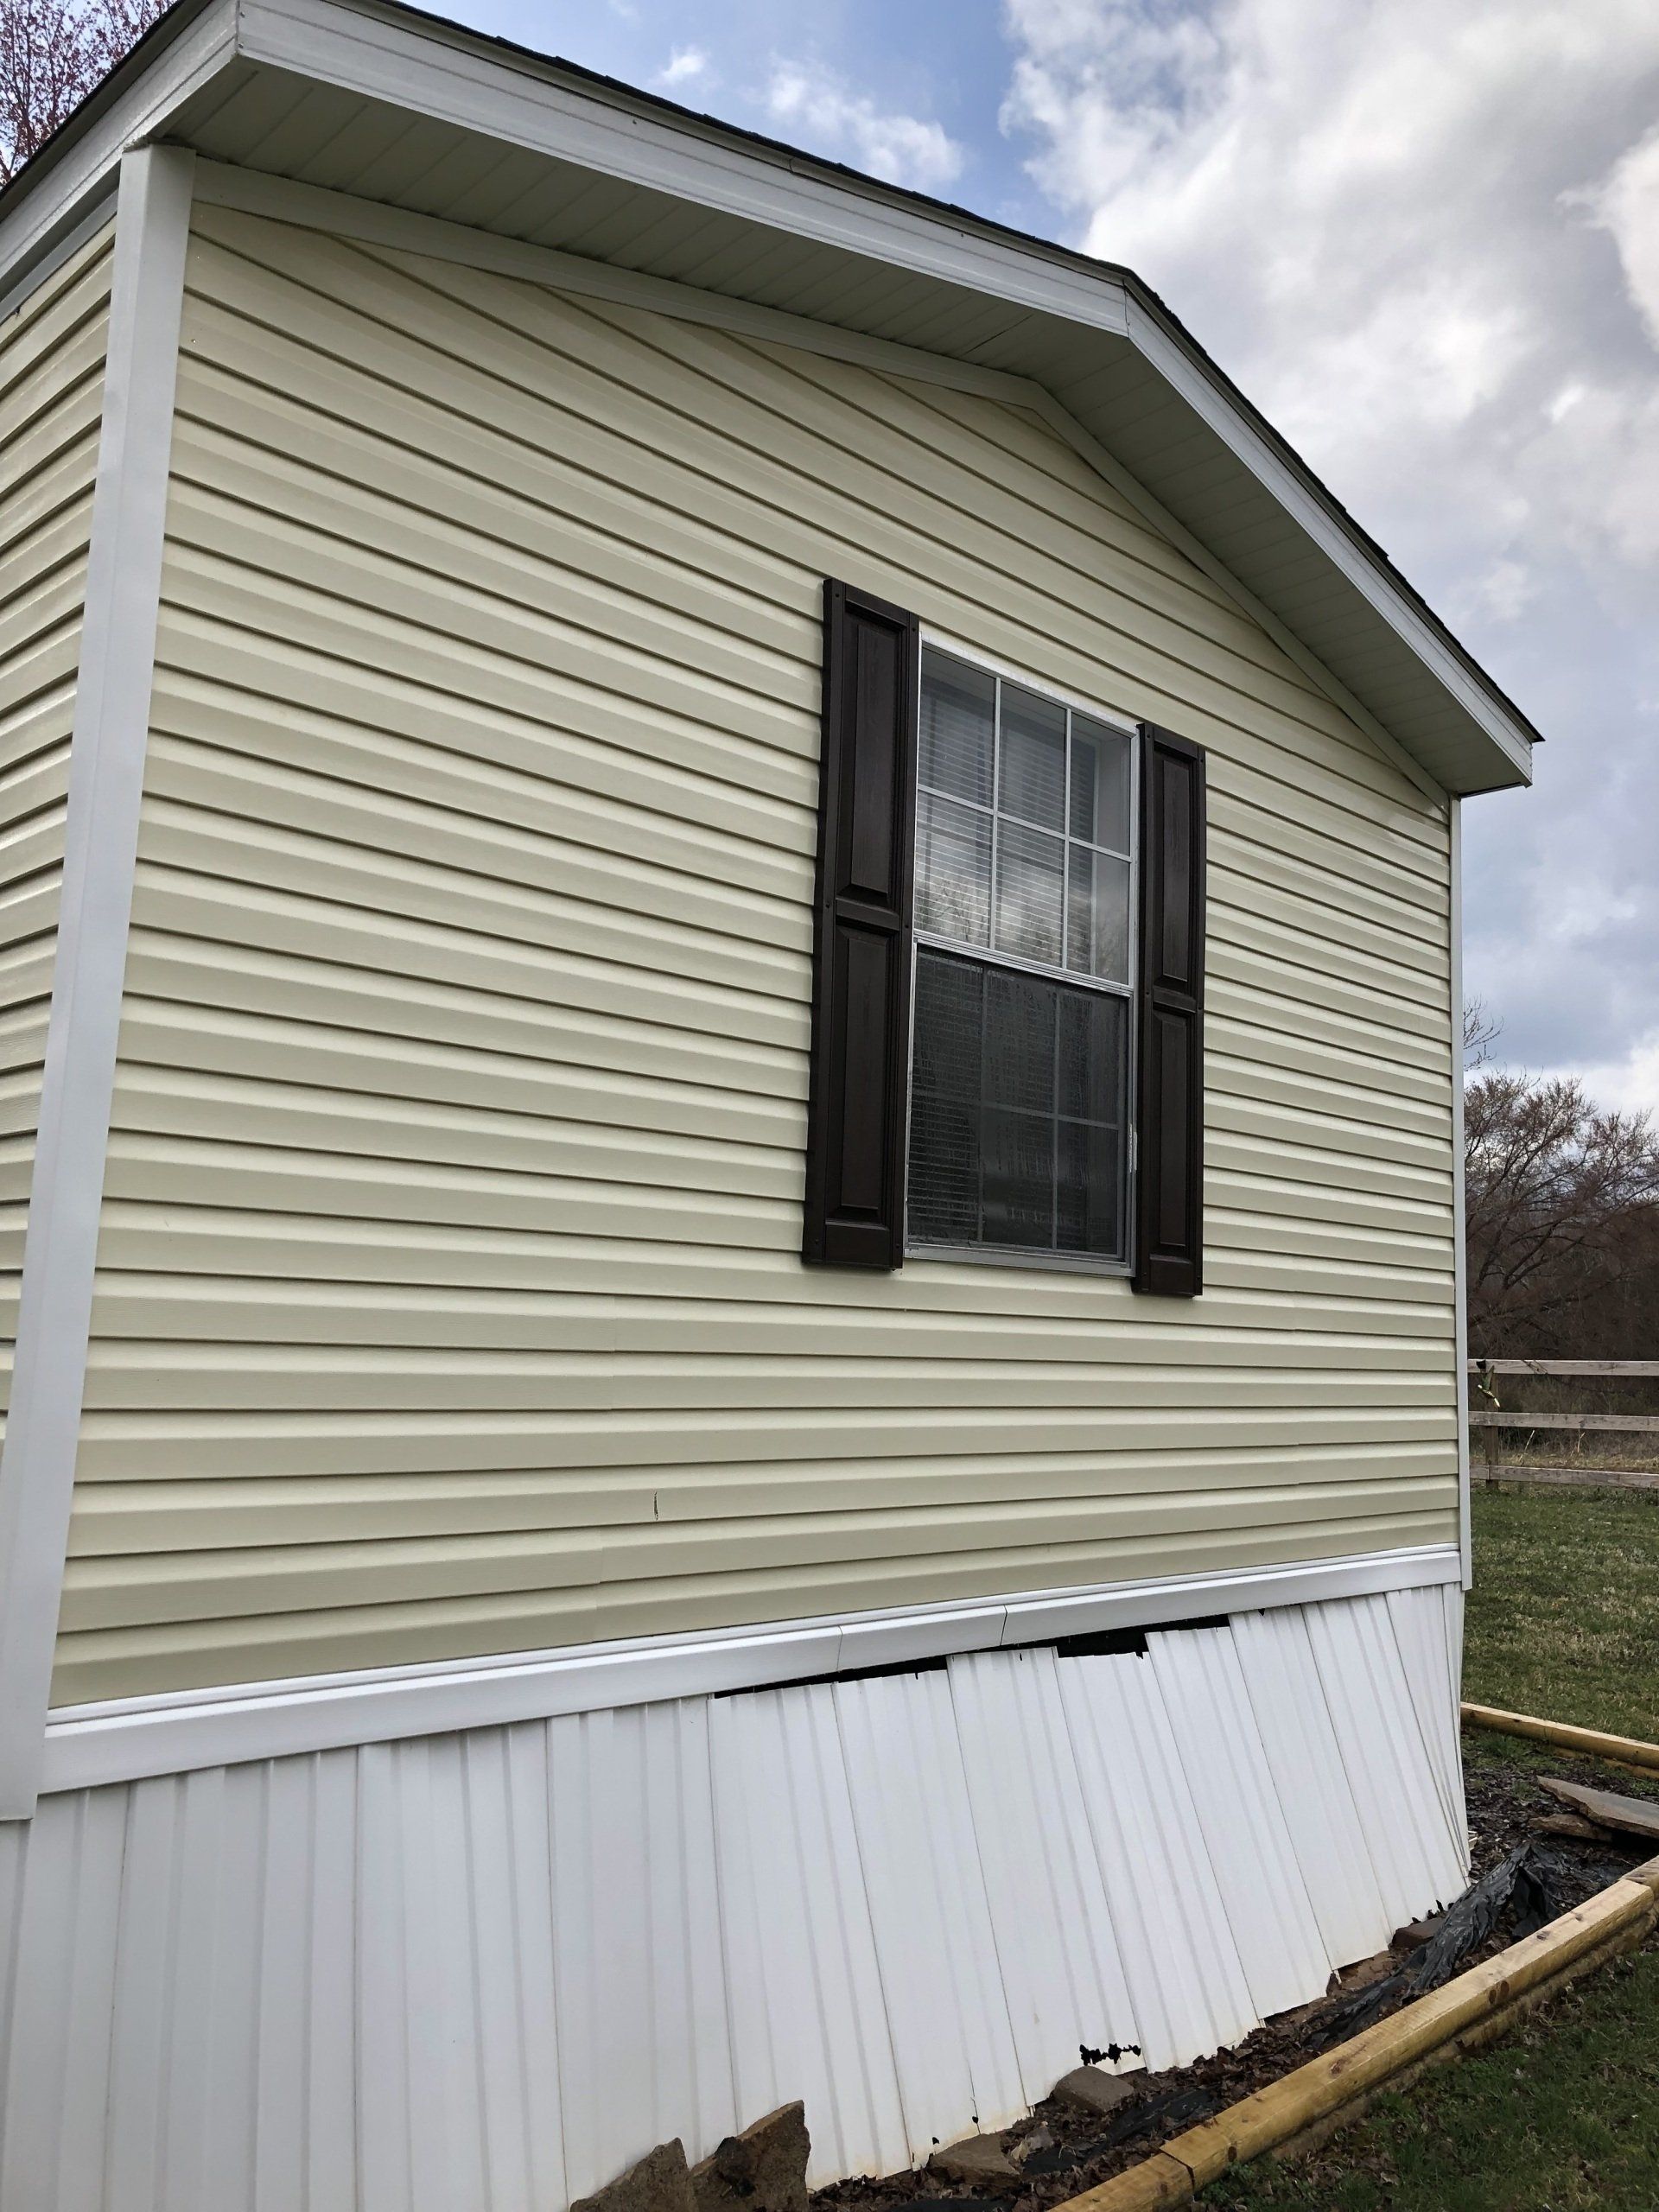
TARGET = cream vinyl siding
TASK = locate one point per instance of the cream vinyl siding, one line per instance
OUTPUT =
(52, 351)
(449, 1298)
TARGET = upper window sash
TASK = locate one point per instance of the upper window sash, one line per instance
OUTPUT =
(971, 894)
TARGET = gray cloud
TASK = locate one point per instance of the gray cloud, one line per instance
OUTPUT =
(1426, 242)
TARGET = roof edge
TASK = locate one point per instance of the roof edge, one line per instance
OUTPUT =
(498, 88)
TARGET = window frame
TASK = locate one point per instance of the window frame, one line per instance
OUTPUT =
(1025, 1255)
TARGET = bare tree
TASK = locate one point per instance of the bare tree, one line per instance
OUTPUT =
(1555, 1191)
(1481, 1031)
(52, 53)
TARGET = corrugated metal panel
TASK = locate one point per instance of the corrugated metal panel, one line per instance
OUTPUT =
(1303, 1753)
(1432, 1675)
(1060, 1964)
(1178, 1955)
(1217, 1746)
(483, 1973)
(449, 1298)
(52, 351)
(809, 2018)
(1390, 1767)
(947, 2007)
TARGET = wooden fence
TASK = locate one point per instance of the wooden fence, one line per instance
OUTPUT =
(1492, 1423)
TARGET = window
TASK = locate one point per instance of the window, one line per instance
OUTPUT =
(1019, 1107)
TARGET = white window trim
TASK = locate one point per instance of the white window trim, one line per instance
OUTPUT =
(1020, 1255)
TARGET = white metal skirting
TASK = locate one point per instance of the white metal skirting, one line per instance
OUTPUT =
(482, 1972)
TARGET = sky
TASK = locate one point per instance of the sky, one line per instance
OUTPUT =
(1424, 239)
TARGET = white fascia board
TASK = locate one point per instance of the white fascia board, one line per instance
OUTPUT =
(57, 200)
(435, 69)
(106, 767)
(1185, 370)
(125, 1740)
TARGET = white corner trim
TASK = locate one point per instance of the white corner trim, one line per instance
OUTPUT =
(368, 222)
(125, 1740)
(1459, 1235)
(106, 764)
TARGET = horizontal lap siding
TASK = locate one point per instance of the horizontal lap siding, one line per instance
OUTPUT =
(52, 351)
(450, 1299)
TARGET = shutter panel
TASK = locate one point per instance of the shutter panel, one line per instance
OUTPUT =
(862, 936)
(1169, 1108)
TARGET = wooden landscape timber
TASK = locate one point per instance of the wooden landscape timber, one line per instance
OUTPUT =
(1594, 1743)
(1472, 2009)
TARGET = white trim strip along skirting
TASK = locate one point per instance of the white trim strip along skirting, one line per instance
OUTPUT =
(107, 770)
(126, 1739)
(485, 1972)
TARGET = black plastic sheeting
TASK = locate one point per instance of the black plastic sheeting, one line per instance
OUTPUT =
(1534, 1885)
(1177, 2108)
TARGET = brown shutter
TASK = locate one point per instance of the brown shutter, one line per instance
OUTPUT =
(1169, 1111)
(861, 950)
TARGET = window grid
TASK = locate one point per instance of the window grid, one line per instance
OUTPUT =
(988, 954)
(1063, 837)
(1055, 1120)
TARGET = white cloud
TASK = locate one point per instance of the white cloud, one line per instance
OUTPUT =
(1425, 241)
(686, 65)
(1628, 205)
(812, 104)
(1378, 215)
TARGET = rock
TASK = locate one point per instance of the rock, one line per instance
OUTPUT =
(762, 2169)
(1416, 1933)
(1571, 1825)
(981, 2158)
(1029, 2145)
(1637, 1816)
(1362, 1975)
(1092, 2089)
(660, 2182)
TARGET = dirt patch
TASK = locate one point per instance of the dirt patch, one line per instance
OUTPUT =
(1062, 2150)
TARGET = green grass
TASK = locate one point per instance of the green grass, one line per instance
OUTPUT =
(1563, 1619)
(1563, 2114)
